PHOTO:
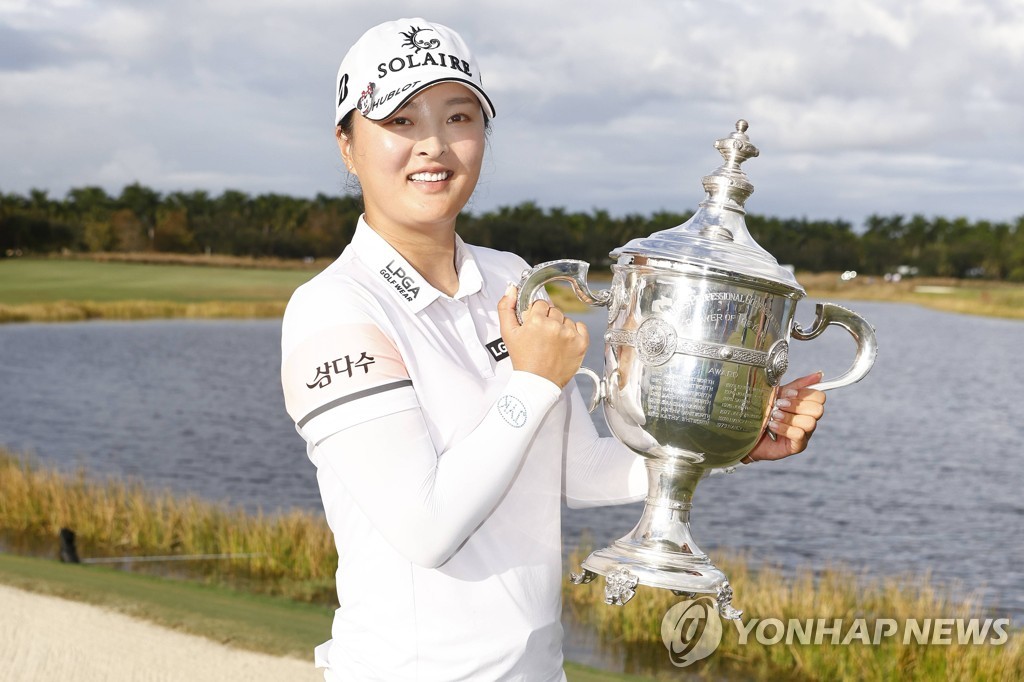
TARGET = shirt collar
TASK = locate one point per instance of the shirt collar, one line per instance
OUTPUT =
(401, 279)
(471, 280)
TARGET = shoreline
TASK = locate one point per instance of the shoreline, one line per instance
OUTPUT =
(281, 602)
(132, 310)
(140, 288)
(941, 298)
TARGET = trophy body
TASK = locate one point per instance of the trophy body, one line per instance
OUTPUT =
(700, 323)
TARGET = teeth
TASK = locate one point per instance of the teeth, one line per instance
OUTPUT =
(430, 177)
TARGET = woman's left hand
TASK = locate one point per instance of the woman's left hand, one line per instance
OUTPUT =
(793, 420)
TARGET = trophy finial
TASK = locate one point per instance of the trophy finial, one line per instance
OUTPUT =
(727, 187)
(736, 148)
(716, 235)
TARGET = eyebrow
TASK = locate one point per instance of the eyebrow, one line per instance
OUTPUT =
(450, 102)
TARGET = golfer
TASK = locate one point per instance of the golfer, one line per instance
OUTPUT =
(445, 433)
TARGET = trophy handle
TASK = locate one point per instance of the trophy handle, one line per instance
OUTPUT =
(573, 271)
(862, 332)
(600, 387)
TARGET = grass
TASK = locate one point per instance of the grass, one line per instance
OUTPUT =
(832, 593)
(51, 290)
(969, 297)
(143, 286)
(293, 585)
(296, 550)
(274, 625)
(25, 281)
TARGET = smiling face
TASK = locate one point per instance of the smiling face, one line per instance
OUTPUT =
(419, 167)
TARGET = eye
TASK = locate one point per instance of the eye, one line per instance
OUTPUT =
(459, 118)
(400, 121)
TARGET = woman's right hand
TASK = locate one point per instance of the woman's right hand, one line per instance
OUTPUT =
(547, 343)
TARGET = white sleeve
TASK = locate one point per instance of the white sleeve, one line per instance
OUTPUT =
(598, 471)
(426, 503)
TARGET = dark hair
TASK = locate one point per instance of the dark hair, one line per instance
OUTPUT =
(345, 127)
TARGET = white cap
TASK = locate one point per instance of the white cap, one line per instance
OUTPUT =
(394, 61)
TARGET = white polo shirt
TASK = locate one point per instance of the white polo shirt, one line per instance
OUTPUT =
(368, 343)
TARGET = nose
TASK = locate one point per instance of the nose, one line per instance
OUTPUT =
(433, 145)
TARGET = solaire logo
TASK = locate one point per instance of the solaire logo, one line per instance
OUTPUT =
(691, 630)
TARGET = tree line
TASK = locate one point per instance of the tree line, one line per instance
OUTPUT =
(88, 219)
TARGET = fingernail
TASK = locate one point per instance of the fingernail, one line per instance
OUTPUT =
(511, 289)
(789, 393)
(773, 426)
(782, 402)
(777, 414)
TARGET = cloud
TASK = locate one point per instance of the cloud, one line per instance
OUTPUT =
(858, 107)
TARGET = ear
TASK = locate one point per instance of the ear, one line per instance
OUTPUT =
(345, 147)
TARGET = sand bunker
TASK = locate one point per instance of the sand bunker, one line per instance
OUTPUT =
(46, 638)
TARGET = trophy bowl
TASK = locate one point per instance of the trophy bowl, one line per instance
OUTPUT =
(700, 322)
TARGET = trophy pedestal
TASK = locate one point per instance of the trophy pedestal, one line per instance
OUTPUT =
(660, 551)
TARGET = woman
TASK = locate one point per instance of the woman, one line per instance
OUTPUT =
(441, 457)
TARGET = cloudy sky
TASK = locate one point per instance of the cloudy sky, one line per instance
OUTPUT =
(858, 106)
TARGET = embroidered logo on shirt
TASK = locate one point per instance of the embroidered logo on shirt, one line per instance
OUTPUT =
(512, 410)
(338, 367)
(405, 285)
(498, 349)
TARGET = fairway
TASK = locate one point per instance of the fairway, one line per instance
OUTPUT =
(25, 281)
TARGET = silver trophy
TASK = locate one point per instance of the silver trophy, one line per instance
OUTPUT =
(700, 320)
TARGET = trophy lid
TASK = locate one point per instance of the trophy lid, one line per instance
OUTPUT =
(716, 237)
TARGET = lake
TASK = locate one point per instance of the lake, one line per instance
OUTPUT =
(916, 469)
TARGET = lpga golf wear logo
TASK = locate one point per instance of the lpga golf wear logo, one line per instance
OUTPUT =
(691, 630)
(397, 277)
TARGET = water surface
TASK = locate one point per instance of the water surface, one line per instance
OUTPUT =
(915, 469)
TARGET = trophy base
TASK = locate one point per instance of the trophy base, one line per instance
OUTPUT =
(625, 566)
(660, 551)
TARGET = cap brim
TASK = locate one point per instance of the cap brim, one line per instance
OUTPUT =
(383, 112)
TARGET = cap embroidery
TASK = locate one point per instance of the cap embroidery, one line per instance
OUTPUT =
(365, 103)
(415, 43)
(342, 89)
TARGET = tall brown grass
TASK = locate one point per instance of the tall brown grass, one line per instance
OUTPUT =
(832, 593)
(295, 552)
(77, 311)
(298, 558)
(969, 297)
(212, 260)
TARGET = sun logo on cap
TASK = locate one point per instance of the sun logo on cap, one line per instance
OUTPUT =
(414, 42)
